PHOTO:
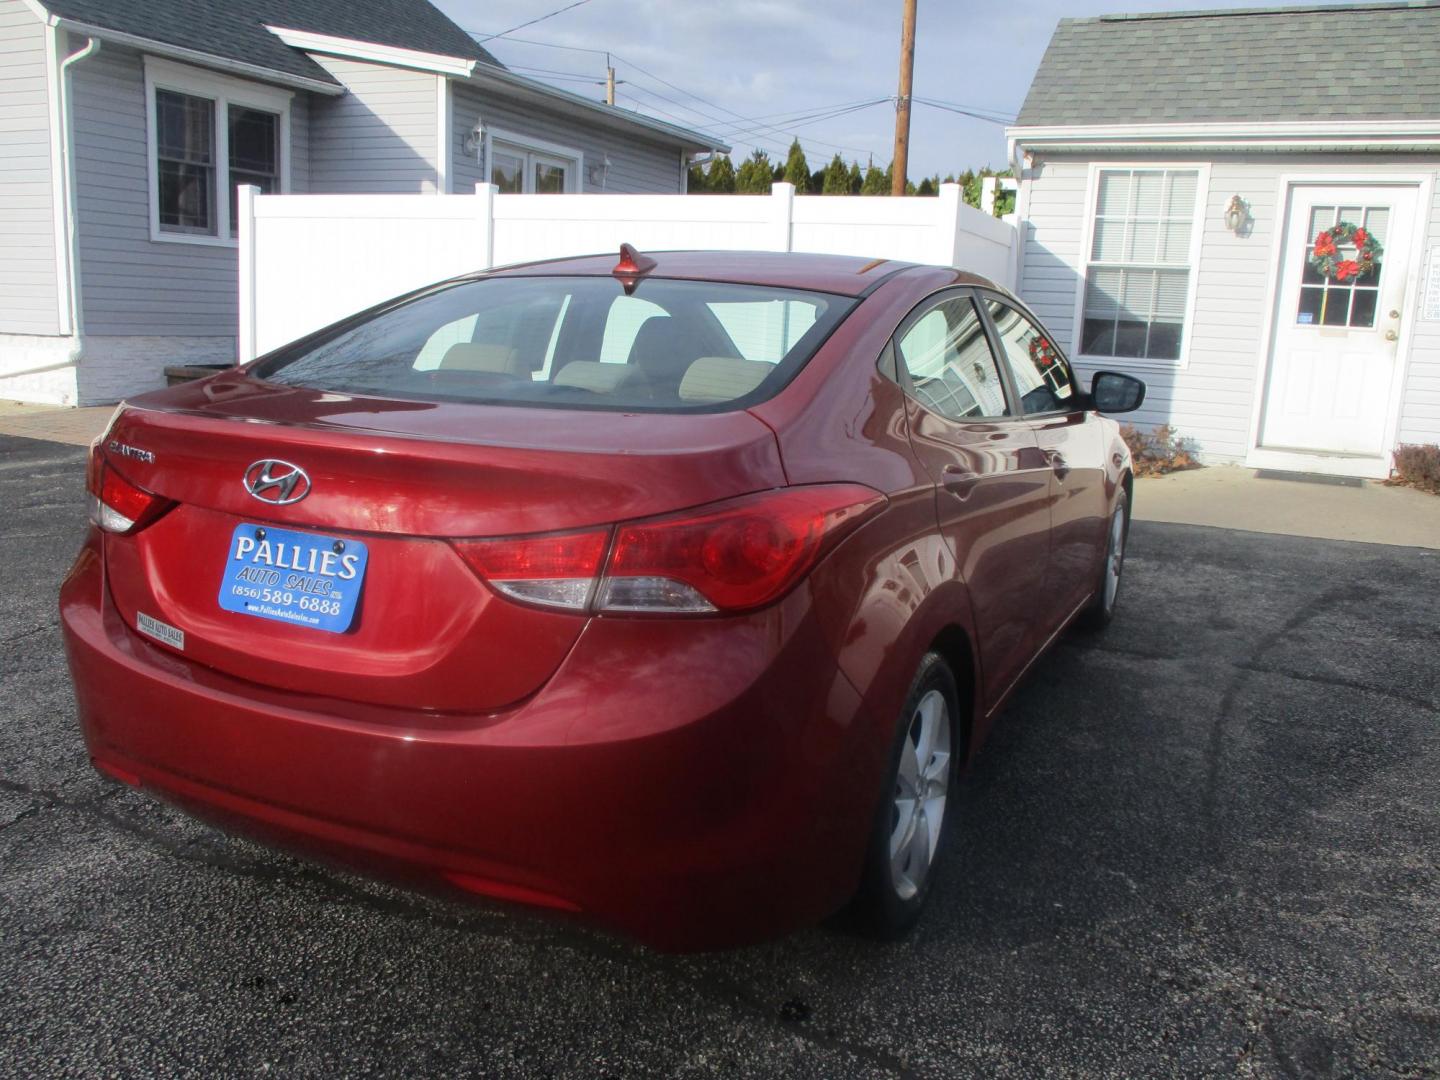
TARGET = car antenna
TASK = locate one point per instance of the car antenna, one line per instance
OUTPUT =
(631, 267)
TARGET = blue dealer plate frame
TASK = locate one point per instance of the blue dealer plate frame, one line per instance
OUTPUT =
(304, 579)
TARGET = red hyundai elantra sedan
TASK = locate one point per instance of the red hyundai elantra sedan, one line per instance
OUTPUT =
(672, 591)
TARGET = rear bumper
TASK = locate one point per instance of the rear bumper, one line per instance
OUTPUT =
(692, 784)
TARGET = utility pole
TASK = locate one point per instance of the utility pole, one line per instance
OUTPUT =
(902, 101)
(609, 81)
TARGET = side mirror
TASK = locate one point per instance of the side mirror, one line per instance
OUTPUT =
(1112, 392)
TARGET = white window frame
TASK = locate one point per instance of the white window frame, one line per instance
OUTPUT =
(532, 148)
(223, 92)
(1087, 240)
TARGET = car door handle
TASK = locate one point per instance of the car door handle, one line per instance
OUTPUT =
(959, 481)
(1058, 463)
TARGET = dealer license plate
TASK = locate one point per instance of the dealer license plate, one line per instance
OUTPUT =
(293, 577)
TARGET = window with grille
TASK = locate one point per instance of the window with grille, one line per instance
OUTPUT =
(1352, 301)
(185, 162)
(209, 134)
(1137, 276)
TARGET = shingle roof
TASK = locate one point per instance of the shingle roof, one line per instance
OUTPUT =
(1352, 62)
(235, 29)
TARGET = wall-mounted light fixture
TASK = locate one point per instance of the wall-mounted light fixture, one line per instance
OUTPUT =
(1237, 216)
(475, 137)
(599, 171)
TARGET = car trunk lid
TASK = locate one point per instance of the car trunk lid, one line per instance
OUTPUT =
(401, 478)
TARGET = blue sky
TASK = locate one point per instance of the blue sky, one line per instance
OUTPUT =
(758, 72)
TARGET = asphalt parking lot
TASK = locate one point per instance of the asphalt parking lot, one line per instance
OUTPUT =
(1207, 843)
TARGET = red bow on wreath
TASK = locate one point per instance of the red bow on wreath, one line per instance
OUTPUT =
(1042, 353)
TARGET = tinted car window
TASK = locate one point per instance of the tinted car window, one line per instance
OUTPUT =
(950, 363)
(572, 342)
(1041, 374)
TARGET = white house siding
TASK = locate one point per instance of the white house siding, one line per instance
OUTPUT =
(27, 221)
(1420, 414)
(144, 303)
(637, 165)
(1212, 398)
(378, 138)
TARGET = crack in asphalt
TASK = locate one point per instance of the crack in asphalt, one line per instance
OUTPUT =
(1344, 684)
(26, 633)
(1209, 799)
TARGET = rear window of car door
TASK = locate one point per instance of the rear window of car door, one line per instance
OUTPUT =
(947, 356)
(1042, 377)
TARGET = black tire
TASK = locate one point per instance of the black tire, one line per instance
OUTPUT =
(1101, 611)
(882, 908)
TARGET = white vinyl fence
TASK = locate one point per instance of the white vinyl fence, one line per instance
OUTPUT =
(308, 260)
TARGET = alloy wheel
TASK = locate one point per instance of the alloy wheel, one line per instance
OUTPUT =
(922, 783)
(1114, 558)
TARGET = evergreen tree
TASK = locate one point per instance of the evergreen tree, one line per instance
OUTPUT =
(928, 187)
(721, 178)
(856, 178)
(797, 169)
(890, 178)
(875, 182)
(695, 185)
(972, 189)
(836, 178)
(754, 176)
(949, 178)
(966, 180)
(779, 175)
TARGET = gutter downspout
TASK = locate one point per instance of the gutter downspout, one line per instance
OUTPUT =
(67, 154)
(1022, 207)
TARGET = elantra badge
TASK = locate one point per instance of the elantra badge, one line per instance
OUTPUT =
(278, 482)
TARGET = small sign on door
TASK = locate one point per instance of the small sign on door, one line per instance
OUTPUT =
(1430, 302)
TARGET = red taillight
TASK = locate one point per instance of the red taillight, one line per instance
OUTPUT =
(732, 556)
(556, 570)
(120, 506)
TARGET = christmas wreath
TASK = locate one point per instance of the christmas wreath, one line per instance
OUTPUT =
(1043, 353)
(1325, 261)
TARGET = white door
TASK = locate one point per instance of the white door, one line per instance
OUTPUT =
(1334, 357)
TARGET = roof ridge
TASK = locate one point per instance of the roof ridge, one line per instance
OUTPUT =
(1295, 9)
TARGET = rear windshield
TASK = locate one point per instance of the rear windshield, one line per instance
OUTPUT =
(573, 343)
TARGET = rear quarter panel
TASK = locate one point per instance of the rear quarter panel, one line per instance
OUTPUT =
(891, 589)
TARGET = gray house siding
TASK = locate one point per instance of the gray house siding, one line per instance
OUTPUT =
(1212, 398)
(130, 284)
(380, 137)
(27, 221)
(636, 165)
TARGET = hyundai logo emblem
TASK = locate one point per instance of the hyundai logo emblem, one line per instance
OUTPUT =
(273, 481)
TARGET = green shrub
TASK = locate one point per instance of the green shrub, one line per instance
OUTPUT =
(1159, 450)
(1418, 465)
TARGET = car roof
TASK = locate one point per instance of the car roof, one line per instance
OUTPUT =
(847, 275)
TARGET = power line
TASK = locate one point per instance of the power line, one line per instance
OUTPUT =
(792, 125)
(531, 41)
(753, 126)
(963, 111)
(755, 134)
(974, 108)
(559, 76)
(532, 22)
(743, 126)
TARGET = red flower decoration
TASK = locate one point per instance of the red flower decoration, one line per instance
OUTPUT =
(1324, 244)
(1359, 237)
(1346, 268)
